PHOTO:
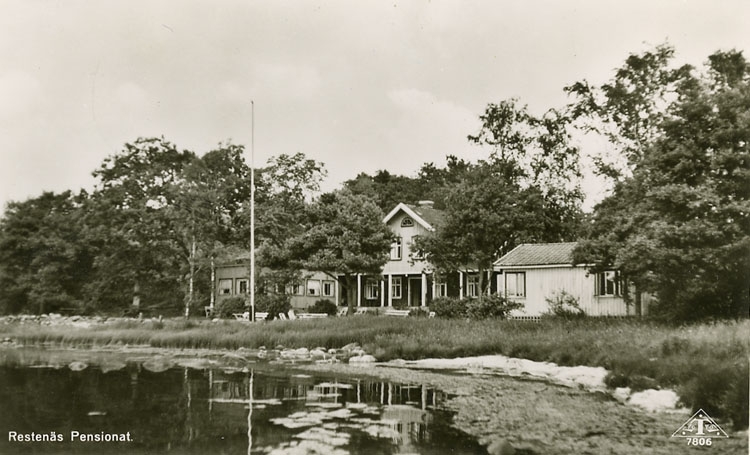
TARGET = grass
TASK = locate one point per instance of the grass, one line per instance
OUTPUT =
(707, 364)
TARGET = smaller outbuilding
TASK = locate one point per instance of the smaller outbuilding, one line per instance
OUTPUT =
(536, 273)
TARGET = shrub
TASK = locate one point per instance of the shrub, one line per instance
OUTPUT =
(565, 306)
(490, 306)
(227, 307)
(273, 304)
(448, 307)
(324, 306)
(419, 312)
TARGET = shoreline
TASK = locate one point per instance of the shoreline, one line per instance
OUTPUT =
(531, 412)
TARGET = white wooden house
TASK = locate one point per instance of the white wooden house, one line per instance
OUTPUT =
(533, 273)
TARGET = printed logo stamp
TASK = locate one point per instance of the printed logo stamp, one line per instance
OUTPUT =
(700, 430)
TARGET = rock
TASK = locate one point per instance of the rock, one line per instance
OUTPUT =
(77, 366)
(500, 447)
(317, 353)
(350, 347)
(332, 351)
(363, 359)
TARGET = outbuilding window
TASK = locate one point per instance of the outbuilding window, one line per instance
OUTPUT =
(515, 284)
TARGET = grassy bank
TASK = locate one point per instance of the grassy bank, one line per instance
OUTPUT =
(707, 364)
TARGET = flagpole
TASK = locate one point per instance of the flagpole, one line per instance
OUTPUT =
(252, 211)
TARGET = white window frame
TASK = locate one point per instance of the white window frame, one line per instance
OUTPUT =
(397, 249)
(416, 254)
(441, 288)
(313, 288)
(295, 289)
(239, 282)
(329, 284)
(407, 222)
(372, 289)
(396, 285)
(513, 277)
(472, 285)
(225, 286)
(608, 284)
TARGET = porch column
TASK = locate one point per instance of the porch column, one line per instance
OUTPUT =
(338, 291)
(390, 292)
(424, 289)
(460, 285)
(489, 282)
(434, 286)
(359, 289)
(382, 292)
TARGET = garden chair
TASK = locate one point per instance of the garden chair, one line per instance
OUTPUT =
(343, 311)
(292, 316)
(283, 317)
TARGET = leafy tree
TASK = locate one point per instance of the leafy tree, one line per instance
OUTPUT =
(629, 109)
(129, 228)
(344, 236)
(680, 226)
(526, 191)
(43, 260)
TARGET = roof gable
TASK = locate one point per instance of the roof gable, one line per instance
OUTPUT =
(534, 254)
(425, 216)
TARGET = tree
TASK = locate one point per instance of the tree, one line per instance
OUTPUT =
(44, 261)
(128, 227)
(629, 109)
(526, 191)
(343, 235)
(487, 214)
(680, 226)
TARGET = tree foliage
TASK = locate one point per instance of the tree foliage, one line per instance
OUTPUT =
(343, 235)
(680, 225)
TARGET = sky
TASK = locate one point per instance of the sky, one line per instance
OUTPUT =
(358, 85)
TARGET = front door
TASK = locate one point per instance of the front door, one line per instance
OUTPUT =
(415, 291)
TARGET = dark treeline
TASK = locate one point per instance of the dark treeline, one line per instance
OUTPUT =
(676, 223)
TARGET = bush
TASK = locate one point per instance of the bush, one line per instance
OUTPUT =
(486, 306)
(273, 304)
(227, 307)
(565, 306)
(448, 307)
(324, 306)
(419, 312)
(490, 306)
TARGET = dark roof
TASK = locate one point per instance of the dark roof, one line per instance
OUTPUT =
(432, 215)
(538, 254)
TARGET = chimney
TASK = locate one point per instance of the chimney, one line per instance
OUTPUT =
(428, 204)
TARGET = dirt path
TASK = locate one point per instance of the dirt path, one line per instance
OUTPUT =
(536, 417)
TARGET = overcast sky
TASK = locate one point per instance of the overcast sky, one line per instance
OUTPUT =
(358, 85)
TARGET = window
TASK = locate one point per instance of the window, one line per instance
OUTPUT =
(396, 248)
(407, 222)
(242, 286)
(396, 287)
(329, 288)
(225, 287)
(472, 286)
(441, 289)
(295, 289)
(416, 253)
(608, 283)
(515, 284)
(371, 289)
(313, 287)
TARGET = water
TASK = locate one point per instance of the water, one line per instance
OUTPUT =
(268, 409)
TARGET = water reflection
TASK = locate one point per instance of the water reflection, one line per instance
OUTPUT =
(264, 410)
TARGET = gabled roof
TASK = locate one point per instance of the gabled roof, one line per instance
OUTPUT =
(432, 215)
(428, 217)
(534, 254)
